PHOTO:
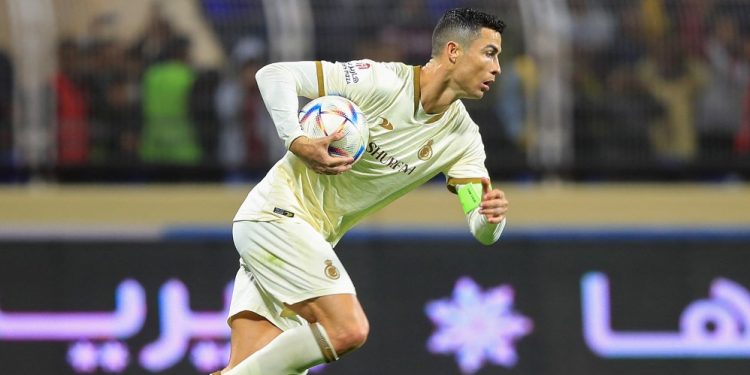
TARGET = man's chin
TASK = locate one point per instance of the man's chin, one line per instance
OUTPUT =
(477, 95)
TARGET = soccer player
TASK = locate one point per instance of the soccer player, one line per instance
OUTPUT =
(294, 305)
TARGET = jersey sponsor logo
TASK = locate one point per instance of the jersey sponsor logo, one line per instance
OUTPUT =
(388, 160)
(350, 72)
(425, 153)
(331, 271)
(362, 65)
(386, 124)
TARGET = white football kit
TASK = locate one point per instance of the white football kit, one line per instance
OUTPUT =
(287, 226)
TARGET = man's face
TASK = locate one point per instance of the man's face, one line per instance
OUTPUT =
(478, 65)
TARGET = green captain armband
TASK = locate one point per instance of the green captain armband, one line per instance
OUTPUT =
(470, 196)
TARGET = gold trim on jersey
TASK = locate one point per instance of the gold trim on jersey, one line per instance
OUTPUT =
(417, 89)
(452, 182)
(435, 118)
(319, 71)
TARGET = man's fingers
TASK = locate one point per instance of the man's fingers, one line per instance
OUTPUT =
(335, 161)
(495, 219)
(485, 186)
(336, 170)
(333, 165)
(339, 134)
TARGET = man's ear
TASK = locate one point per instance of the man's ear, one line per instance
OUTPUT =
(453, 50)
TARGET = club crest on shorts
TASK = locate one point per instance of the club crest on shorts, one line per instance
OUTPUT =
(331, 271)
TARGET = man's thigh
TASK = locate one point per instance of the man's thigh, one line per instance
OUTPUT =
(290, 261)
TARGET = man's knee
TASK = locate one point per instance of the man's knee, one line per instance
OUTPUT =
(345, 323)
(349, 336)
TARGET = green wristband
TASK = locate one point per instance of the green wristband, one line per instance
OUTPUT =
(470, 196)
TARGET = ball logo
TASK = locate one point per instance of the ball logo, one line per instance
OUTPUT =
(331, 271)
(425, 153)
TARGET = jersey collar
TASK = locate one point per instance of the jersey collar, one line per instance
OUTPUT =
(417, 90)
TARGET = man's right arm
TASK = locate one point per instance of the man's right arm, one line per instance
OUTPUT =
(280, 86)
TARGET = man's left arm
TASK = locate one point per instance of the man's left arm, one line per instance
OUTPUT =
(485, 209)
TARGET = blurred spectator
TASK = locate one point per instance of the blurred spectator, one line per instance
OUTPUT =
(629, 44)
(6, 106)
(158, 36)
(516, 89)
(204, 114)
(112, 80)
(656, 21)
(121, 120)
(692, 18)
(588, 123)
(742, 137)
(73, 127)
(168, 136)
(248, 137)
(593, 27)
(674, 81)
(627, 109)
(720, 108)
(411, 28)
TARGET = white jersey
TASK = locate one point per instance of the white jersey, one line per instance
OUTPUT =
(407, 147)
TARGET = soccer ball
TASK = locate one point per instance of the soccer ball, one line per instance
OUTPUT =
(327, 115)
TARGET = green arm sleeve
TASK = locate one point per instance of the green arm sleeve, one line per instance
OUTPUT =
(470, 196)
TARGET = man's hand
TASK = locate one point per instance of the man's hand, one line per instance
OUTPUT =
(314, 153)
(494, 205)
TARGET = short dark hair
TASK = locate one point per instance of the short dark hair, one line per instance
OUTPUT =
(462, 25)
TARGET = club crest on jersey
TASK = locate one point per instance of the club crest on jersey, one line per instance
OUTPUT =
(425, 153)
(331, 271)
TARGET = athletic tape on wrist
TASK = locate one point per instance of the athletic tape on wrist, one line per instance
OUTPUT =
(470, 196)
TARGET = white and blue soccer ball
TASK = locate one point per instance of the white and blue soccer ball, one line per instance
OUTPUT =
(328, 114)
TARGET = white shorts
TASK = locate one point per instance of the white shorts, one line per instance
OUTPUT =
(283, 262)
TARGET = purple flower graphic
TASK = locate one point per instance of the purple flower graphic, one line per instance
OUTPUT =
(477, 326)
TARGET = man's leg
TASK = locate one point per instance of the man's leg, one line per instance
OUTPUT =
(342, 316)
(338, 325)
(250, 333)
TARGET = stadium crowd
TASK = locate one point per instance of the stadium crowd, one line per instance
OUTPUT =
(657, 85)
